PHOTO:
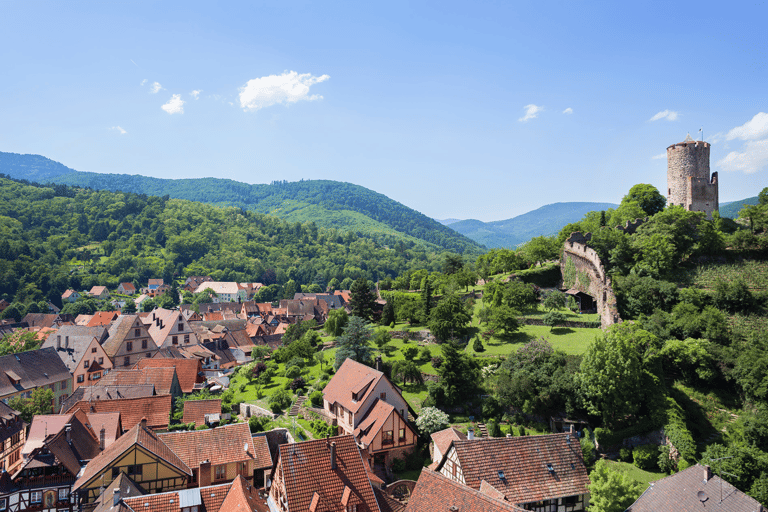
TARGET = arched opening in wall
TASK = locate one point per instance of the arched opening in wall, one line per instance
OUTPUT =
(585, 301)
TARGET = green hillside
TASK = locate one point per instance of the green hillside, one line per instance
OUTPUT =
(731, 210)
(544, 221)
(329, 204)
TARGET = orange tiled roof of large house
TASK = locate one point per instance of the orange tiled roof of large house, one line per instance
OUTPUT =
(196, 410)
(436, 493)
(188, 371)
(155, 409)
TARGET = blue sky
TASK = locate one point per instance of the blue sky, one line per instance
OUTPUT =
(480, 110)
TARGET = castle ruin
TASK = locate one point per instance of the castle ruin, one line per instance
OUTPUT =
(689, 183)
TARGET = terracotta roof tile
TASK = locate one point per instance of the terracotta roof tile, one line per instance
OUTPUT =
(306, 468)
(373, 421)
(351, 377)
(261, 452)
(523, 463)
(96, 393)
(680, 493)
(220, 445)
(443, 438)
(161, 377)
(102, 318)
(157, 410)
(436, 493)
(187, 370)
(195, 410)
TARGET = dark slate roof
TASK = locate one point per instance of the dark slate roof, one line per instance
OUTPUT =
(80, 338)
(523, 463)
(693, 490)
(333, 301)
(99, 392)
(34, 368)
(436, 493)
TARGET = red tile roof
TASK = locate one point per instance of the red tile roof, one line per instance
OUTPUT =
(161, 377)
(680, 493)
(220, 445)
(373, 422)
(157, 410)
(102, 318)
(351, 377)
(436, 493)
(443, 438)
(306, 469)
(523, 462)
(195, 410)
(261, 452)
(187, 370)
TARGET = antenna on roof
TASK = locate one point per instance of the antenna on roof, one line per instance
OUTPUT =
(720, 472)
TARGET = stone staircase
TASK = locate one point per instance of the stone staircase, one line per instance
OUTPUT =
(297, 405)
(481, 430)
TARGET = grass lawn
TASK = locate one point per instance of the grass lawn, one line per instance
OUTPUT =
(570, 341)
(635, 473)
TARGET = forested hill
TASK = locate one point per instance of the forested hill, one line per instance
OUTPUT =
(58, 237)
(329, 204)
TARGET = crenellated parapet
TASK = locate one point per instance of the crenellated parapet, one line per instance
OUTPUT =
(582, 270)
(630, 227)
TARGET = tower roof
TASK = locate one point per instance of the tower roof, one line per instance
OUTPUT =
(688, 138)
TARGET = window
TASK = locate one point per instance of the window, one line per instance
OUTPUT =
(63, 494)
(36, 497)
(186, 338)
(194, 475)
(14, 457)
(221, 472)
(96, 376)
(129, 346)
(126, 360)
(80, 378)
(387, 437)
(3, 503)
(383, 396)
(181, 326)
(132, 471)
(63, 385)
(87, 364)
(401, 435)
(143, 343)
(137, 333)
(15, 438)
(93, 350)
(101, 360)
(175, 340)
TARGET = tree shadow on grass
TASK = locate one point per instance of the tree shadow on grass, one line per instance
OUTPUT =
(510, 339)
(558, 331)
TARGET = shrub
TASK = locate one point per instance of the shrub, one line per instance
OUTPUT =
(316, 398)
(431, 420)
(398, 465)
(646, 456)
(293, 372)
(625, 454)
(493, 429)
(295, 361)
(665, 462)
(436, 362)
(477, 345)
(587, 449)
(279, 401)
(683, 464)
(258, 423)
(298, 383)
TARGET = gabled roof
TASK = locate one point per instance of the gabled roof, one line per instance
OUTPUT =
(220, 445)
(46, 425)
(235, 496)
(103, 318)
(261, 452)
(307, 474)
(373, 421)
(219, 287)
(162, 377)
(75, 340)
(68, 293)
(157, 410)
(98, 290)
(436, 493)
(187, 370)
(352, 378)
(136, 435)
(160, 323)
(128, 488)
(693, 490)
(128, 287)
(195, 410)
(98, 392)
(120, 330)
(523, 462)
(443, 438)
(31, 369)
(41, 319)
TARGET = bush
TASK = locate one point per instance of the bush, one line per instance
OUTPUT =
(316, 399)
(493, 429)
(398, 465)
(491, 408)
(587, 448)
(292, 372)
(625, 454)
(424, 355)
(297, 384)
(646, 456)
(258, 423)
(436, 362)
(477, 345)
(683, 464)
(665, 462)
(279, 401)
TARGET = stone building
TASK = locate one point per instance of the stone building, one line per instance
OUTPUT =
(689, 183)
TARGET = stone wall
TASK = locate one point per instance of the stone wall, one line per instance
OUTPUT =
(689, 183)
(582, 269)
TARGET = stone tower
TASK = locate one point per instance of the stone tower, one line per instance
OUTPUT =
(689, 183)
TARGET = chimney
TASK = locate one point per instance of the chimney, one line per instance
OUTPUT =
(333, 455)
(144, 422)
(68, 430)
(205, 473)
(471, 433)
(379, 365)
(102, 436)
(571, 429)
(115, 496)
(66, 341)
(707, 473)
(509, 435)
(58, 342)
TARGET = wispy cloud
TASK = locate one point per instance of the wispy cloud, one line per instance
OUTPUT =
(143, 82)
(669, 115)
(196, 93)
(659, 156)
(753, 157)
(156, 87)
(531, 111)
(755, 128)
(133, 63)
(175, 105)
(290, 87)
(569, 110)
(122, 132)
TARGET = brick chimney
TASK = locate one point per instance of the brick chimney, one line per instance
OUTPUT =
(471, 433)
(144, 422)
(102, 437)
(115, 497)
(205, 473)
(333, 455)
(68, 430)
(379, 365)
(707, 473)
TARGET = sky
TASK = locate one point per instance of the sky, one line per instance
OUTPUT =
(482, 110)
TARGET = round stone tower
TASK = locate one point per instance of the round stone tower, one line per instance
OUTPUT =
(689, 183)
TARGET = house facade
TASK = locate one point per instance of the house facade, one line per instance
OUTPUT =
(22, 373)
(169, 328)
(12, 438)
(79, 348)
(129, 340)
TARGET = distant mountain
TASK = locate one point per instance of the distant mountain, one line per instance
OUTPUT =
(447, 222)
(731, 210)
(544, 221)
(329, 204)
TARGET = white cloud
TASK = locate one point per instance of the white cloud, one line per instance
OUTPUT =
(175, 105)
(531, 111)
(752, 158)
(143, 82)
(659, 156)
(122, 132)
(196, 93)
(569, 110)
(290, 87)
(156, 87)
(756, 128)
(669, 115)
